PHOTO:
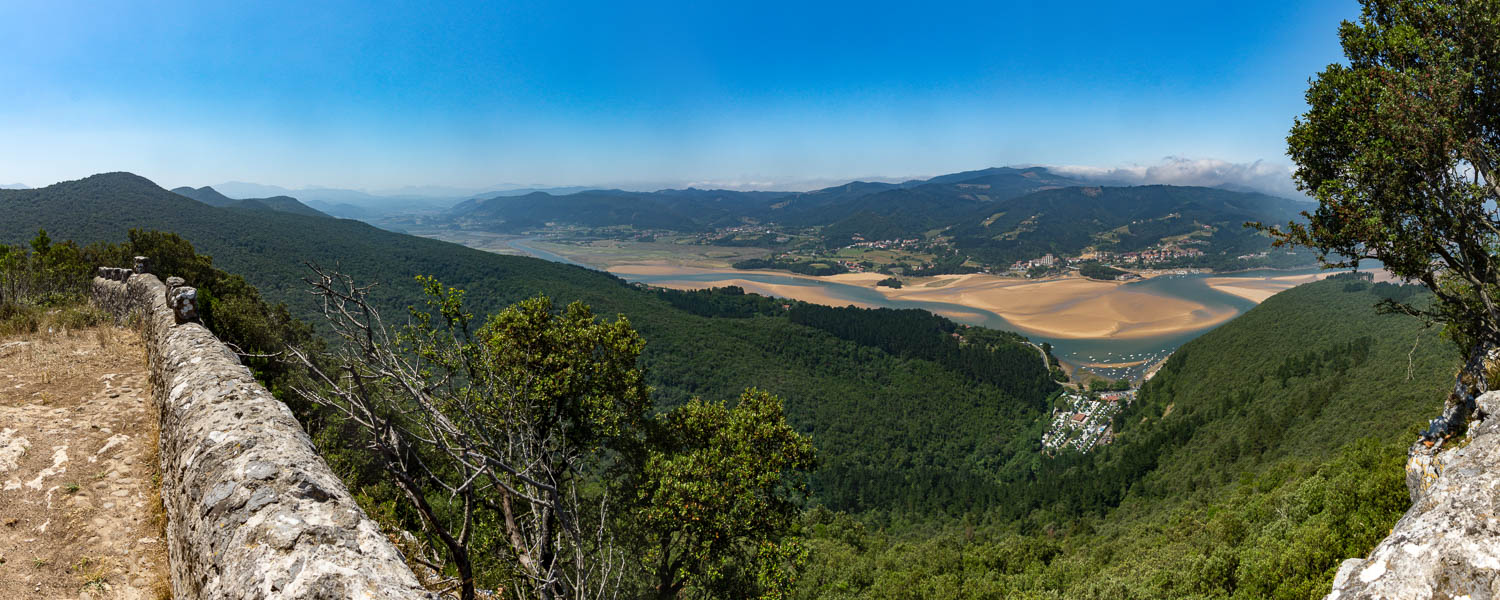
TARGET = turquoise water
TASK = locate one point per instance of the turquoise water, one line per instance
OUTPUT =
(1190, 287)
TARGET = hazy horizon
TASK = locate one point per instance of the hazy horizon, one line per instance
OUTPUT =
(645, 96)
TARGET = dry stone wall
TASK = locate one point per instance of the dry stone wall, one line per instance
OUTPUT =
(252, 510)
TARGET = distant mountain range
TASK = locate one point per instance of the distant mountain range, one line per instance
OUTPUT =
(694, 210)
(997, 215)
(212, 197)
(367, 206)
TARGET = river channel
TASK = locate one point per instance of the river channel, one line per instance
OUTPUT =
(1134, 355)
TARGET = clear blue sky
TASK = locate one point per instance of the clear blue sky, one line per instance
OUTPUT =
(377, 95)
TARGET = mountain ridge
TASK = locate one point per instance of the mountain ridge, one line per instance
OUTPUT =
(208, 195)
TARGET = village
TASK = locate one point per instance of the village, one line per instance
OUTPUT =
(1158, 254)
(1083, 420)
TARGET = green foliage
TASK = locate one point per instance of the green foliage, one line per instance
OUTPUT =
(228, 305)
(893, 432)
(567, 370)
(1001, 359)
(818, 268)
(890, 282)
(1094, 270)
(1104, 385)
(47, 274)
(541, 401)
(727, 302)
(1401, 147)
(534, 419)
(1065, 221)
(1224, 481)
(717, 499)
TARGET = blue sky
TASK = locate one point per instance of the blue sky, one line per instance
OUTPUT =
(377, 96)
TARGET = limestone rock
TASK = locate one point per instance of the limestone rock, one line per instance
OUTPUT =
(1447, 545)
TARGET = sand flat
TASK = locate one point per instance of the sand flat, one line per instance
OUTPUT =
(1067, 307)
(1073, 307)
(658, 268)
(1257, 289)
(805, 293)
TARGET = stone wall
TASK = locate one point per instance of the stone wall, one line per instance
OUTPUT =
(1447, 545)
(252, 510)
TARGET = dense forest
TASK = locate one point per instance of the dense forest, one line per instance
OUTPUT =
(892, 431)
(1262, 454)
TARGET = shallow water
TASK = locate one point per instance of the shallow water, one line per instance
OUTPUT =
(1079, 351)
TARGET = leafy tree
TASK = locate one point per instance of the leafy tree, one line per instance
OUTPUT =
(499, 424)
(717, 499)
(49, 274)
(514, 442)
(1401, 147)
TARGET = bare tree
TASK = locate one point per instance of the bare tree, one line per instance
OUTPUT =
(510, 422)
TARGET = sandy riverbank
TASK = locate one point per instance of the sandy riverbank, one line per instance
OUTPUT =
(658, 268)
(1066, 307)
(1257, 289)
(1071, 307)
(806, 293)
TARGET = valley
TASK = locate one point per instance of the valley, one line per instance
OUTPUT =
(1112, 329)
(924, 424)
(773, 301)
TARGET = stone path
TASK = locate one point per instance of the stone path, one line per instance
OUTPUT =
(79, 512)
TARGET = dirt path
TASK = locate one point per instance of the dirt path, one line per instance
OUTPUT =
(79, 511)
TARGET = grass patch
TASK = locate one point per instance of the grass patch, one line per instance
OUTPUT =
(27, 319)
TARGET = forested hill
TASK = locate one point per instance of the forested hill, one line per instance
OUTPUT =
(897, 428)
(1064, 221)
(1262, 455)
(693, 210)
(678, 210)
(993, 216)
(212, 197)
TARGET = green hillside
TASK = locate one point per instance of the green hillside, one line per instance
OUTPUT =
(894, 429)
(212, 197)
(1118, 219)
(992, 217)
(688, 210)
(1264, 453)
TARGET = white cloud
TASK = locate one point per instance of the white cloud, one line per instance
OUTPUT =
(1259, 176)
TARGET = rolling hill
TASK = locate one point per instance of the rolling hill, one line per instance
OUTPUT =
(894, 429)
(991, 216)
(212, 197)
(693, 210)
(687, 210)
(1261, 456)
(1118, 219)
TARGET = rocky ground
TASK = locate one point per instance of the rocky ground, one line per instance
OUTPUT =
(80, 515)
